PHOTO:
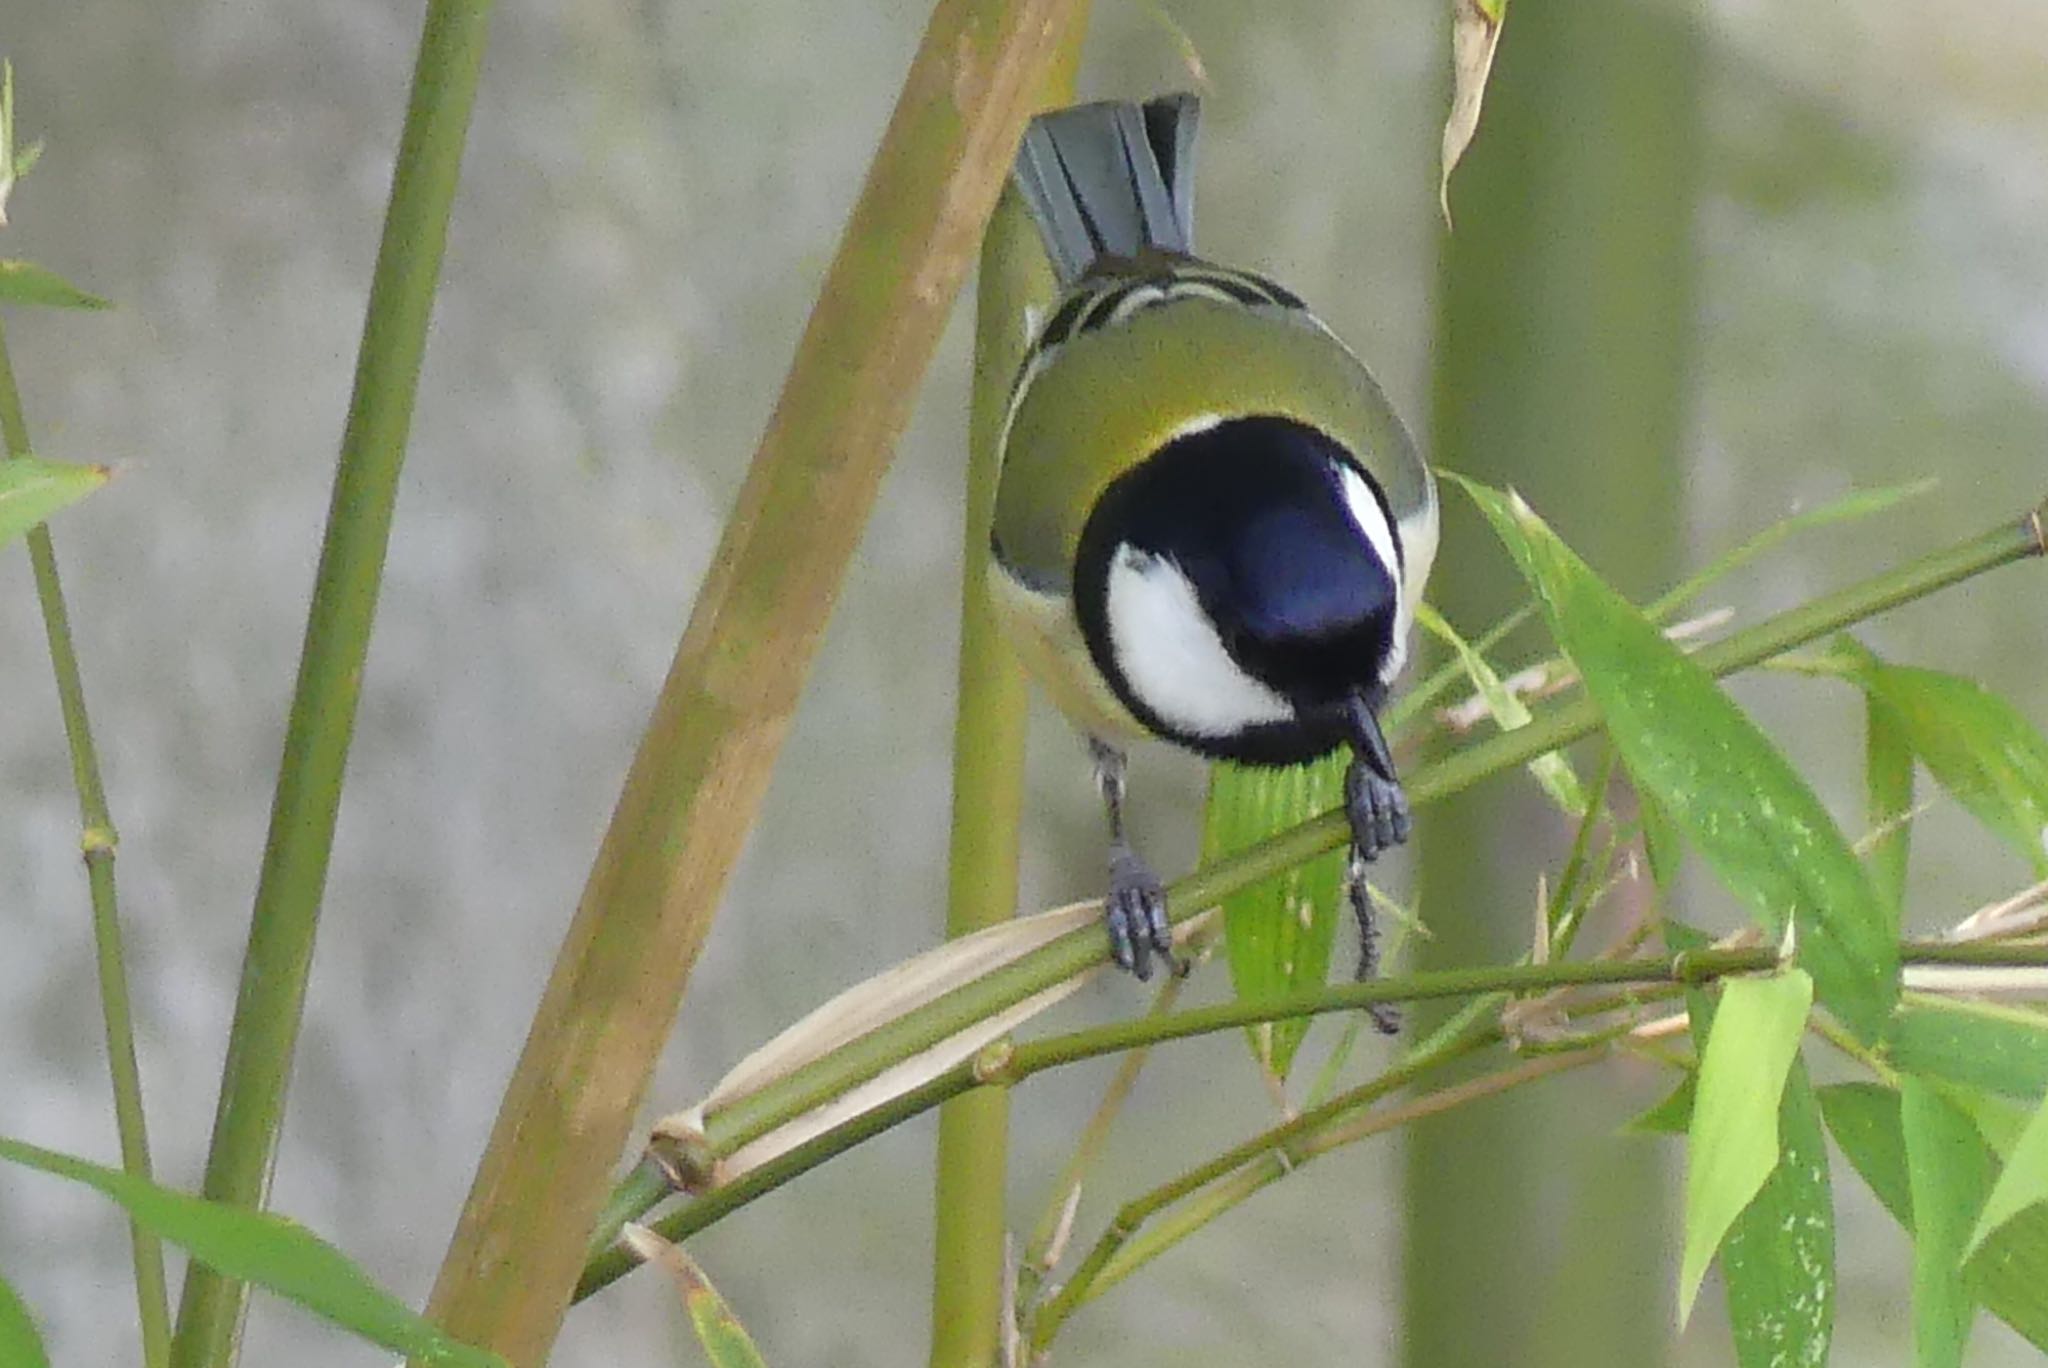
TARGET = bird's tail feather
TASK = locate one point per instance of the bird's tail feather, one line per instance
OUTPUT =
(1111, 179)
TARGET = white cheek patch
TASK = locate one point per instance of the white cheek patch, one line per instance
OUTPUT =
(1171, 656)
(1365, 510)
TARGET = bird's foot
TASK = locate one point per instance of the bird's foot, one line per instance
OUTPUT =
(1135, 913)
(1377, 808)
(1386, 1017)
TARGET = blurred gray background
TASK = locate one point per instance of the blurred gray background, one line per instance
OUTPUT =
(652, 193)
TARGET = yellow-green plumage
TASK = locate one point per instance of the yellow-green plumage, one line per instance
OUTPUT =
(1106, 399)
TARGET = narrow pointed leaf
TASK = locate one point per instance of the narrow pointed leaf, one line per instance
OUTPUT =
(268, 1251)
(1858, 503)
(1736, 798)
(1975, 744)
(2010, 1272)
(1733, 1147)
(1948, 1173)
(24, 282)
(2022, 1183)
(1980, 1045)
(1888, 788)
(1551, 769)
(1663, 843)
(1779, 1258)
(20, 1345)
(1672, 1116)
(726, 1342)
(32, 489)
(1279, 933)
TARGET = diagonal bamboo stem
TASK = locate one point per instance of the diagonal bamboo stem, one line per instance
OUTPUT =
(97, 842)
(703, 763)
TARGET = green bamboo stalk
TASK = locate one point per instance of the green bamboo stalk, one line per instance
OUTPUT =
(1015, 285)
(704, 761)
(271, 1000)
(97, 842)
(861, 1059)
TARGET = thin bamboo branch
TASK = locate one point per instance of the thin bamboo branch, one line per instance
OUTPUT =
(704, 761)
(1006, 1065)
(97, 843)
(275, 966)
(860, 1059)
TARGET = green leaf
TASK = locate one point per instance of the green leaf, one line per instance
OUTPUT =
(1888, 786)
(268, 1251)
(31, 490)
(24, 282)
(1551, 769)
(1979, 1045)
(1672, 1116)
(1975, 744)
(1744, 1062)
(2010, 1273)
(1739, 802)
(1856, 504)
(725, 1340)
(1280, 931)
(1475, 33)
(20, 1345)
(1778, 1260)
(1662, 841)
(2023, 1183)
(1948, 1173)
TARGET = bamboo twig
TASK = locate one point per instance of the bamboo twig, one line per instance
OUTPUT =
(806, 1088)
(97, 843)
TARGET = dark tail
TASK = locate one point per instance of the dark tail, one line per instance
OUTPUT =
(1111, 179)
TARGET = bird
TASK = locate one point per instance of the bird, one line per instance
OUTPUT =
(1211, 527)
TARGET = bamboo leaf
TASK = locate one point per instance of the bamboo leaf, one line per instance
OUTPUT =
(20, 1345)
(1779, 1257)
(1975, 744)
(2022, 1183)
(1733, 1146)
(726, 1342)
(1739, 802)
(1672, 1116)
(1888, 785)
(1978, 1045)
(1948, 1173)
(32, 489)
(1551, 769)
(24, 282)
(1856, 504)
(1475, 34)
(269, 1251)
(1663, 843)
(1280, 931)
(2010, 1272)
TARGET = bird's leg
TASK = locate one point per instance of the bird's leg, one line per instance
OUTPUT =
(1378, 811)
(1135, 911)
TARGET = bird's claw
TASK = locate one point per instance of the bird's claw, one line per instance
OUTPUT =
(1378, 810)
(1386, 1017)
(1135, 913)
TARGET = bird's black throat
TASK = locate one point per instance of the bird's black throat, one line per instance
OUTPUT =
(1252, 511)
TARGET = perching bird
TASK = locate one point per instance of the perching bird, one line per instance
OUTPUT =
(1211, 526)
